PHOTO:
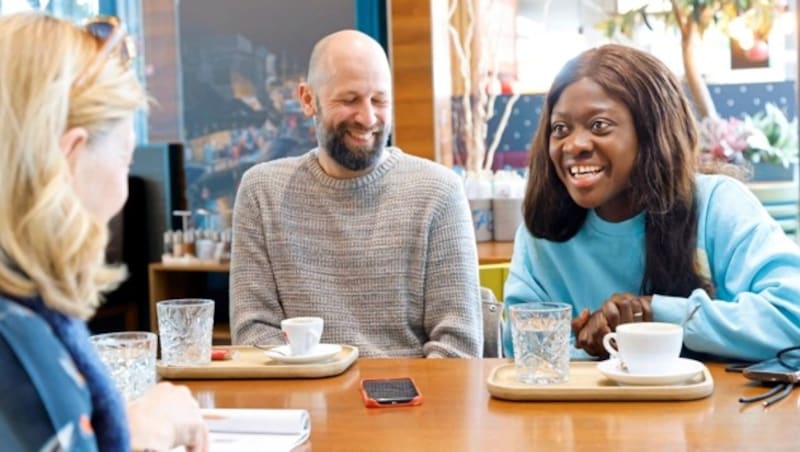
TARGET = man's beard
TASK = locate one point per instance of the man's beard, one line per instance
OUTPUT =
(333, 140)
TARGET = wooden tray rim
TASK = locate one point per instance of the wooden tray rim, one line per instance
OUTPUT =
(223, 370)
(697, 388)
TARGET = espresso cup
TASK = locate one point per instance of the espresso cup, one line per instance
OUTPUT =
(646, 348)
(302, 333)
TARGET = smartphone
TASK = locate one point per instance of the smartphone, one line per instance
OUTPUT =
(388, 392)
(771, 371)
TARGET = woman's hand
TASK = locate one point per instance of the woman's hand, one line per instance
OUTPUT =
(627, 308)
(618, 309)
(165, 417)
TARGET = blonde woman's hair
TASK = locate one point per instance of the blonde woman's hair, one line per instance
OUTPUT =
(50, 245)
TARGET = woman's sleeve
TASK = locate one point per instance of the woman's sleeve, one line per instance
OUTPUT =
(755, 268)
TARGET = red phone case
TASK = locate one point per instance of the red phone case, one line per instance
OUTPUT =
(371, 402)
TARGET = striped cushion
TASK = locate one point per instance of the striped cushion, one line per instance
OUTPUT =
(781, 201)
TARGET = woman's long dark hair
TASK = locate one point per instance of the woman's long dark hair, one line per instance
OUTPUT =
(663, 179)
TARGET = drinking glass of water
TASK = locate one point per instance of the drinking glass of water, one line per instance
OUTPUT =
(131, 360)
(185, 329)
(540, 333)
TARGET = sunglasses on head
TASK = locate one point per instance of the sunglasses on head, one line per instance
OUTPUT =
(111, 32)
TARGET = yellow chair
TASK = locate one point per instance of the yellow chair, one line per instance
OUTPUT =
(493, 276)
(492, 279)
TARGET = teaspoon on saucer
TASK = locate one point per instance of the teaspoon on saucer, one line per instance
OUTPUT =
(271, 348)
(691, 314)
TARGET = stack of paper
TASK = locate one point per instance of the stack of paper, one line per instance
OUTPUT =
(243, 430)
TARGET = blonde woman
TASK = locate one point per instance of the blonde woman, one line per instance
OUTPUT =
(67, 99)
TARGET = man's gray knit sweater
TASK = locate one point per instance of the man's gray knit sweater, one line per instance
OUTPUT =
(387, 259)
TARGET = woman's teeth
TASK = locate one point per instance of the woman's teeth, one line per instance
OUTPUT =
(584, 171)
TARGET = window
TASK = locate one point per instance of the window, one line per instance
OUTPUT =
(77, 10)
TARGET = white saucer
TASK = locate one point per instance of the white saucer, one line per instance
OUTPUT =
(684, 370)
(321, 352)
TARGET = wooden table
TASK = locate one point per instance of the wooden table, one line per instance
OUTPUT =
(458, 414)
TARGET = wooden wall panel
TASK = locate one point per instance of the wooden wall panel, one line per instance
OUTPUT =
(162, 60)
(419, 52)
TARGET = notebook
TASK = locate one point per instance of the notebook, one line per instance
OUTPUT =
(244, 430)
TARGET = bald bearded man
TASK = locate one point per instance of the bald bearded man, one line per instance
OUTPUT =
(378, 243)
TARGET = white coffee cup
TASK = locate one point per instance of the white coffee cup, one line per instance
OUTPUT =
(302, 333)
(646, 348)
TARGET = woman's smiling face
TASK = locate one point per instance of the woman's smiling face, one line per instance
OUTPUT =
(593, 146)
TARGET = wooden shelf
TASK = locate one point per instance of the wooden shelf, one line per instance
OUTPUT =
(495, 252)
(488, 253)
(187, 280)
(221, 334)
(169, 281)
(191, 267)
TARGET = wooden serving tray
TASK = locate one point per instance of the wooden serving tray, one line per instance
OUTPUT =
(587, 383)
(252, 363)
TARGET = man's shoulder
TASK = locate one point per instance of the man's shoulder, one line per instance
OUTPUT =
(279, 166)
(274, 171)
(423, 170)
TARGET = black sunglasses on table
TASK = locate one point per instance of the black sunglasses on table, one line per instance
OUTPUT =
(783, 371)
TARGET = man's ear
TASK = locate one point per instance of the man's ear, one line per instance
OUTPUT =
(307, 99)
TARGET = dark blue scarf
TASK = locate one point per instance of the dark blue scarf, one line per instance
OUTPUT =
(109, 417)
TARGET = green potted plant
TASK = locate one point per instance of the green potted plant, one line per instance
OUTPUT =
(766, 143)
(773, 148)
